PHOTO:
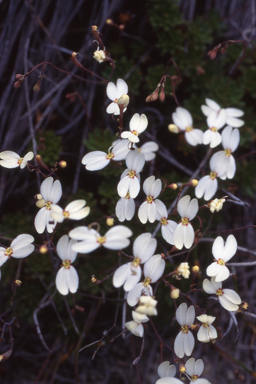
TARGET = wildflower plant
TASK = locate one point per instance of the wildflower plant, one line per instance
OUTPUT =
(157, 235)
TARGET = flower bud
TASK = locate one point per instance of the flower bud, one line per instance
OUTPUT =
(216, 205)
(110, 221)
(18, 283)
(195, 268)
(182, 368)
(99, 55)
(19, 76)
(109, 21)
(173, 186)
(43, 249)
(123, 100)
(17, 84)
(93, 279)
(194, 182)
(245, 305)
(175, 293)
(173, 128)
(162, 94)
(63, 164)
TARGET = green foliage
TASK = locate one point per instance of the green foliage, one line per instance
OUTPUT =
(50, 147)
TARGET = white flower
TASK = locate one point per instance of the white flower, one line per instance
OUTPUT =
(135, 326)
(9, 159)
(67, 278)
(167, 226)
(173, 380)
(96, 160)
(228, 298)
(153, 270)
(148, 209)
(166, 370)
(51, 193)
(130, 177)
(224, 159)
(183, 119)
(183, 270)
(216, 205)
(138, 124)
(194, 368)
(206, 332)
(222, 253)
(184, 342)
(231, 113)
(208, 185)
(73, 211)
(125, 208)
(148, 150)
(129, 274)
(20, 247)
(214, 122)
(184, 232)
(147, 306)
(114, 93)
(115, 238)
(99, 55)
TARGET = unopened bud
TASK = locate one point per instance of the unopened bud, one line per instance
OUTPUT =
(121, 27)
(182, 368)
(109, 21)
(216, 205)
(173, 186)
(162, 94)
(195, 268)
(148, 99)
(74, 55)
(18, 283)
(175, 293)
(63, 164)
(223, 49)
(93, 279)
(212, 54)
(245, 305)
(94, 28)
(19, 76)
(194, 182)
(43, 249)
(17, 84)
(80, 309)
(36, 87)
(173, 128)
(123, 100)
(110, 221)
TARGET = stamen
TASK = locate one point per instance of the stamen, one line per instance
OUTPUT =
(164, 221)
(66, 264)
(213, 175)
(185, 221)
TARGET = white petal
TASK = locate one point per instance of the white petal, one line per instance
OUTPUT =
(154, 268)
(143, 213)
(182, 205)
(179, 345)
(46, 188)
(144, 247)
(56, 192)
(190, 316)
(122, 88)
(230, 248)
(112, 91)
(192, 209)
(61, 281)
(189, 343)
(181, 314)
(234, 122)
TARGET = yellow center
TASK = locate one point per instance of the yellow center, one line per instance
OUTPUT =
(219, 292)
(194, 377)
(135, 133)
(66, 264)
(205, 325)
(213, 175)
(132, 174)
(8, 252)
(136, 262)
(150, 199)
(146, 281)
(48, 205)
(110, 156)
(228, 152)
(185, 328)
(189, 129)
(127, 196)
(214, 129)
(185, 221)
(221, 262)
(163, 221)
(101, 239)
(65, 214)
(20, 160)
